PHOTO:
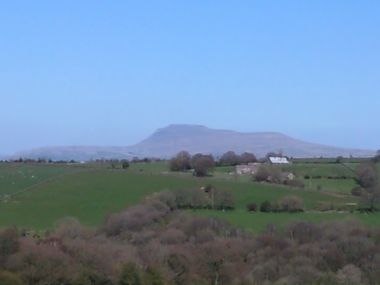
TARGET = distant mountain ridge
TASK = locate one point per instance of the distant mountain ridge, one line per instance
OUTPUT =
(195, 138)
(78, 153)
(166, 142)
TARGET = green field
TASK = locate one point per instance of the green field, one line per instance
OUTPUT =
(343, 186)
(18, 177)
(317, 169)
(40, 195)
(88, 196)
(258, 222)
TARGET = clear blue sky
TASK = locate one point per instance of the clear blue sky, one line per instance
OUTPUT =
(111, 72)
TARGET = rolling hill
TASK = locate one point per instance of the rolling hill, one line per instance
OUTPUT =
(166, 142)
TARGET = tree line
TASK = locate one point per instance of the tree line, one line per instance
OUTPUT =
(156, 243)
(203, 164)
(367, 177)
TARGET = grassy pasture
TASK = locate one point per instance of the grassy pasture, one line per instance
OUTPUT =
(343, 186)
(90, 192)
(317, 169)
(88, 196)
(258, 222)
(153, 168)
(17, 177)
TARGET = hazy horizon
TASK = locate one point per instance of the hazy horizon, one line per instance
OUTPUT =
(164, 127)
(110, 74)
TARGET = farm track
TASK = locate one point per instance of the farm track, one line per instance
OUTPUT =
(349, 168)
(47, 181)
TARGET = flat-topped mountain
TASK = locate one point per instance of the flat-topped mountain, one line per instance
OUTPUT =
(166, 142)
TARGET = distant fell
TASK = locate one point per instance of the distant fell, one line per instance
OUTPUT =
(77, 153)
(166, 142)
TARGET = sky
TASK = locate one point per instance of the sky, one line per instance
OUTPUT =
(111, 72)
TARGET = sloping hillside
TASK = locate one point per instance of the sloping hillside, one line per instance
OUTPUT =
(168, 141)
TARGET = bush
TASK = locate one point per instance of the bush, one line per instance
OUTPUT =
(181, 162)
(130, 275)
(223, 200)
(191, 199)
(325, 206)
(291, 204)
(200, 199)
(339, 159)
(230, 158)
(265, 207)
(247, 157)
(252, 207)
(202, 164)
(8, 278)
(9, 243)
(367, 176)
(262, 174)
(125, 164)
(275, 207)
(153, 277)
(357, 191)
(268, 173)
(295, 183)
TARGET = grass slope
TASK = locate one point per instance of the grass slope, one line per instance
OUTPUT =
(88, 196)
(90, 192)
(17, 177)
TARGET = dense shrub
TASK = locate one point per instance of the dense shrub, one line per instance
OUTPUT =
(158, 244)
(376, 158)
(205, 198)
(325, 206)
(269, 173)
(265, 207)
(130, 275)
(223, 200)
(291, 204)
(252, 207)
(295, 183)
(367, 176)
(9, 278)
(125, 164)
(9, 243)
(247, 157)
(191, 199)
(357, 191)
(262, 174)
(229, 158)
(202, 164)
(181, 162)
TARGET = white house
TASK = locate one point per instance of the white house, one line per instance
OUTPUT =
(278, 160)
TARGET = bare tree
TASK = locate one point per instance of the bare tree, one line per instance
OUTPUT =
(247, 157)
(367, 176)
(371, 199)
(202, 164)
(230, 158)
(181, 161)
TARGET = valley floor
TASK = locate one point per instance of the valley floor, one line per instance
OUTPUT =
(37, 196)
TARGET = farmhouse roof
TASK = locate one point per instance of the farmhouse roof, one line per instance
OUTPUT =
(278, 160)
